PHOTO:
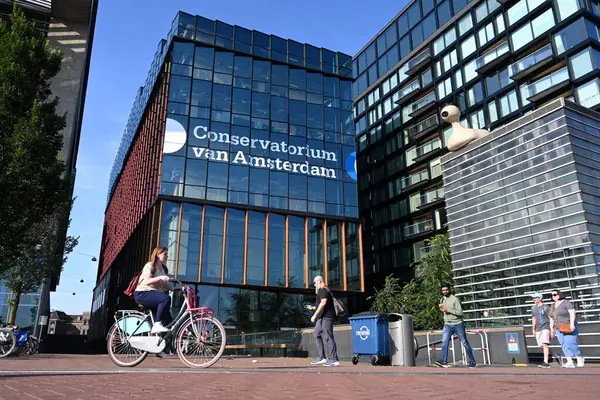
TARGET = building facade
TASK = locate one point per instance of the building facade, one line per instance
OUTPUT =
(239, 156)
(496, 60)
(523, 212)
(69, 26)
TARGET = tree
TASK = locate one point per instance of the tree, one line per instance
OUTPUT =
(421, 296)
(32, 187)
(26, 272)
(387, 300)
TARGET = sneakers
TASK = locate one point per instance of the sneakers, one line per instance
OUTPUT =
(544, 365)
(472, 364)
(162, 354)
(580, 362)
(159, 328)
(332, 363)
(442, 364)
(568, 365)
(316, 361)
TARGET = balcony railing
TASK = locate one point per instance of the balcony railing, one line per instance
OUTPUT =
(423, 127)
(432, 196)
(406, 91)
(525, 63)
(422, 103)
(417, 62)
(419, 227)
(492, 58)
(428, 148)
(414, 179)
(552, 81)
(421, 251)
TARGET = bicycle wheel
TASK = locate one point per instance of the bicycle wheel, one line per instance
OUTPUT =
(35, 345)
(201, 342)
(8, 341)
(120, 351)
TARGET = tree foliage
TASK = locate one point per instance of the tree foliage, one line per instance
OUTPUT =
(32, 187)
(421, 296)
(26, 272)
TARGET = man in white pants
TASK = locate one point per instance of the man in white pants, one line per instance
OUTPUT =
(540, 326)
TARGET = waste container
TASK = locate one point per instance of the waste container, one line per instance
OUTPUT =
(402, 340)
(370, 337)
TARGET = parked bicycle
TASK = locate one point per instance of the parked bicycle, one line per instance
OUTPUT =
(8, 342)
(16, 342)
(198, 336)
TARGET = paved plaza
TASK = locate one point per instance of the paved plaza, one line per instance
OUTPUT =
(48, 376)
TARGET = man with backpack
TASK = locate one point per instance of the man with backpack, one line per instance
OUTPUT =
(323, 318)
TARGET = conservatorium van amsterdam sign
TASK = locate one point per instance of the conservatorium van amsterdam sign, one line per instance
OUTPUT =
(175, 136)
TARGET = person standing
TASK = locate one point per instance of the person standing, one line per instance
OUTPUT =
(323, 318)
(540, 326)
(453, 323)
(564, 326)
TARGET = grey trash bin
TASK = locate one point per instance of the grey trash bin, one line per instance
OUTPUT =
(402, 342)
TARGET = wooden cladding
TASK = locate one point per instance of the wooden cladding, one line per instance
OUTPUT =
(292, 250)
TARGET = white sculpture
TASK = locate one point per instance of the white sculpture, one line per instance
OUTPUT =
(460, 136)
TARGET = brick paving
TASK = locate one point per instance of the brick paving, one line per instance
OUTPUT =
(96, 377)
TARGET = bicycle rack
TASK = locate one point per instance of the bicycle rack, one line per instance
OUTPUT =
(431, 346)
(485, 348)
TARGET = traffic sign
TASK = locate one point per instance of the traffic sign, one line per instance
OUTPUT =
(512, 343)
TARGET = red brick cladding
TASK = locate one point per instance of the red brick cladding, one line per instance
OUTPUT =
(139, 183)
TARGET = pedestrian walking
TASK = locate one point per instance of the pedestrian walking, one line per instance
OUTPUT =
(453, 324)
(540, 326)
(323, 318)
(564, 326)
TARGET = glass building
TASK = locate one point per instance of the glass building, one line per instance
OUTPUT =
(523, 212)
(496, 60)
(239, 155)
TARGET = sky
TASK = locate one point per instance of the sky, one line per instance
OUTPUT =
(126, 37)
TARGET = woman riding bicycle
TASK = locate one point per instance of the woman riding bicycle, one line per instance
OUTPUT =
(152, 291)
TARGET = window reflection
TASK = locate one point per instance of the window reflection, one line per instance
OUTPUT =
(276, 256)
(213, 244)
(296, 251)
(315, 248)
(234, 246)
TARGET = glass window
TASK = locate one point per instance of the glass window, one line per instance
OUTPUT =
(224, 62)
(189, 243)
(221, 99)
(334, 256)
(465, 24)
(280, 75)
(195, 173)
(581, 63)
(243, 67)
(234, 246)
(298, 79)
(429, 25)
(571, 35)
(468, 47)
(183, 53)
(296, 252)
(260, 105)
(588, 94)
(314, 83)
(212, 245)
(444, 12)
(316, 246)
(261, 71)
(567, 8)
(255, 262)
(276, 257)
(314, 115)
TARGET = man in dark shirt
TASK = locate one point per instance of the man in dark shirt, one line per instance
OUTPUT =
(540, 326)
(324, 317)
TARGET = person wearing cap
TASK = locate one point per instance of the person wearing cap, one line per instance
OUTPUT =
(540, 326)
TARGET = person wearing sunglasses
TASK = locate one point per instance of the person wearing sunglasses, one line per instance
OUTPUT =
(563, 326)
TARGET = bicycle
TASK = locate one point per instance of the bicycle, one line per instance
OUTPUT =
(197, 334)
(8, 342)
